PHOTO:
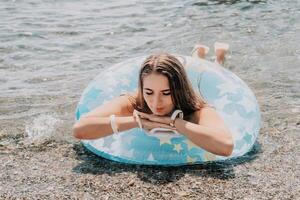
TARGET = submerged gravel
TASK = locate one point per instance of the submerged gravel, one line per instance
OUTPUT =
(55, 170)
(50, 50)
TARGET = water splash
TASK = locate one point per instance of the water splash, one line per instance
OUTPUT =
(42, 127)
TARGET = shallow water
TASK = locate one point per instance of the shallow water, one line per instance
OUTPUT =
(50, 50)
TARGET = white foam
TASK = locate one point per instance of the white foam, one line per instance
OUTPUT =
(42, 127)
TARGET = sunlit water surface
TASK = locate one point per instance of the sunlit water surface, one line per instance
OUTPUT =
(50, 50)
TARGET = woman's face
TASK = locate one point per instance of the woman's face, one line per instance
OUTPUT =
(157, 94)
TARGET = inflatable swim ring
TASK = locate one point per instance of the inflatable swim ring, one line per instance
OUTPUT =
(231, 97)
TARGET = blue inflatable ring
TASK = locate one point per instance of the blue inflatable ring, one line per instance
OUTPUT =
(231, 97)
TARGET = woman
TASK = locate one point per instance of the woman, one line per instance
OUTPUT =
(163, 87)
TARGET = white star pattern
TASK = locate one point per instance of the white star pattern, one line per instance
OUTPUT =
(150, 157)
(209, 156)
(164, 140)
(128, 154)
(248, 104)
(190, 144)
(249, 126)
(116, 148)
(191, 160)
(127, 138)
(110, 81)
(227, 87)
(99, 145)
(235, 133)
(177, 147)
(221, 102)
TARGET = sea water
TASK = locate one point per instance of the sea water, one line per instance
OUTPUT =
(50, 50)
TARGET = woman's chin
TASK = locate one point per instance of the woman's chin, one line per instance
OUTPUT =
(161, 113)
(158, 113)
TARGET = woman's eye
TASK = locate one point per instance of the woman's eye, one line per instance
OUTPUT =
(150, 93)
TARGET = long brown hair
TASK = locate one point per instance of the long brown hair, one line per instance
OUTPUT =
(182, 93)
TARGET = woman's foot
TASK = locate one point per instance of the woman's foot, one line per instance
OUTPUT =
(200, 51)
(220, 52)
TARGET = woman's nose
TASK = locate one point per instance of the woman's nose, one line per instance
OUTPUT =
(157, 101)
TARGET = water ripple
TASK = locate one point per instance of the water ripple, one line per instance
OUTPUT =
(54, 48)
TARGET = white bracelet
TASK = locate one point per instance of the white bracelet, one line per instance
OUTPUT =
(174, 116)
(137, 117)
(113, 124)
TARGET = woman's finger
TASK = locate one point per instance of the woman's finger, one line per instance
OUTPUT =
(144, 115)
(155, 118)
(150, 125)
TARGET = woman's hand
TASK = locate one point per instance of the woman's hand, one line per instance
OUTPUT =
(150, 121)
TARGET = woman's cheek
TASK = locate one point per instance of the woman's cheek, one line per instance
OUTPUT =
(170, 102)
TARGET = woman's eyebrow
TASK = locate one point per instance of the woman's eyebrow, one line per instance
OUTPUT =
(161, 91)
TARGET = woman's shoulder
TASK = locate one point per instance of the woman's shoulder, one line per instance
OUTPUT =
(195, 116)
(130, 99)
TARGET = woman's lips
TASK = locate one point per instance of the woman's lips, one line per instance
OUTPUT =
(159, 109)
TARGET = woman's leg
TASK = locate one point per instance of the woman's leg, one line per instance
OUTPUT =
(220, 52)
(200, 51)
(220, 56)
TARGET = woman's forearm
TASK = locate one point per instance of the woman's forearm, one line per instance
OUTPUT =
(214, 140)
(91, 127)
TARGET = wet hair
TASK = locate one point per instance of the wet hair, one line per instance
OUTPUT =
(182, 93)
